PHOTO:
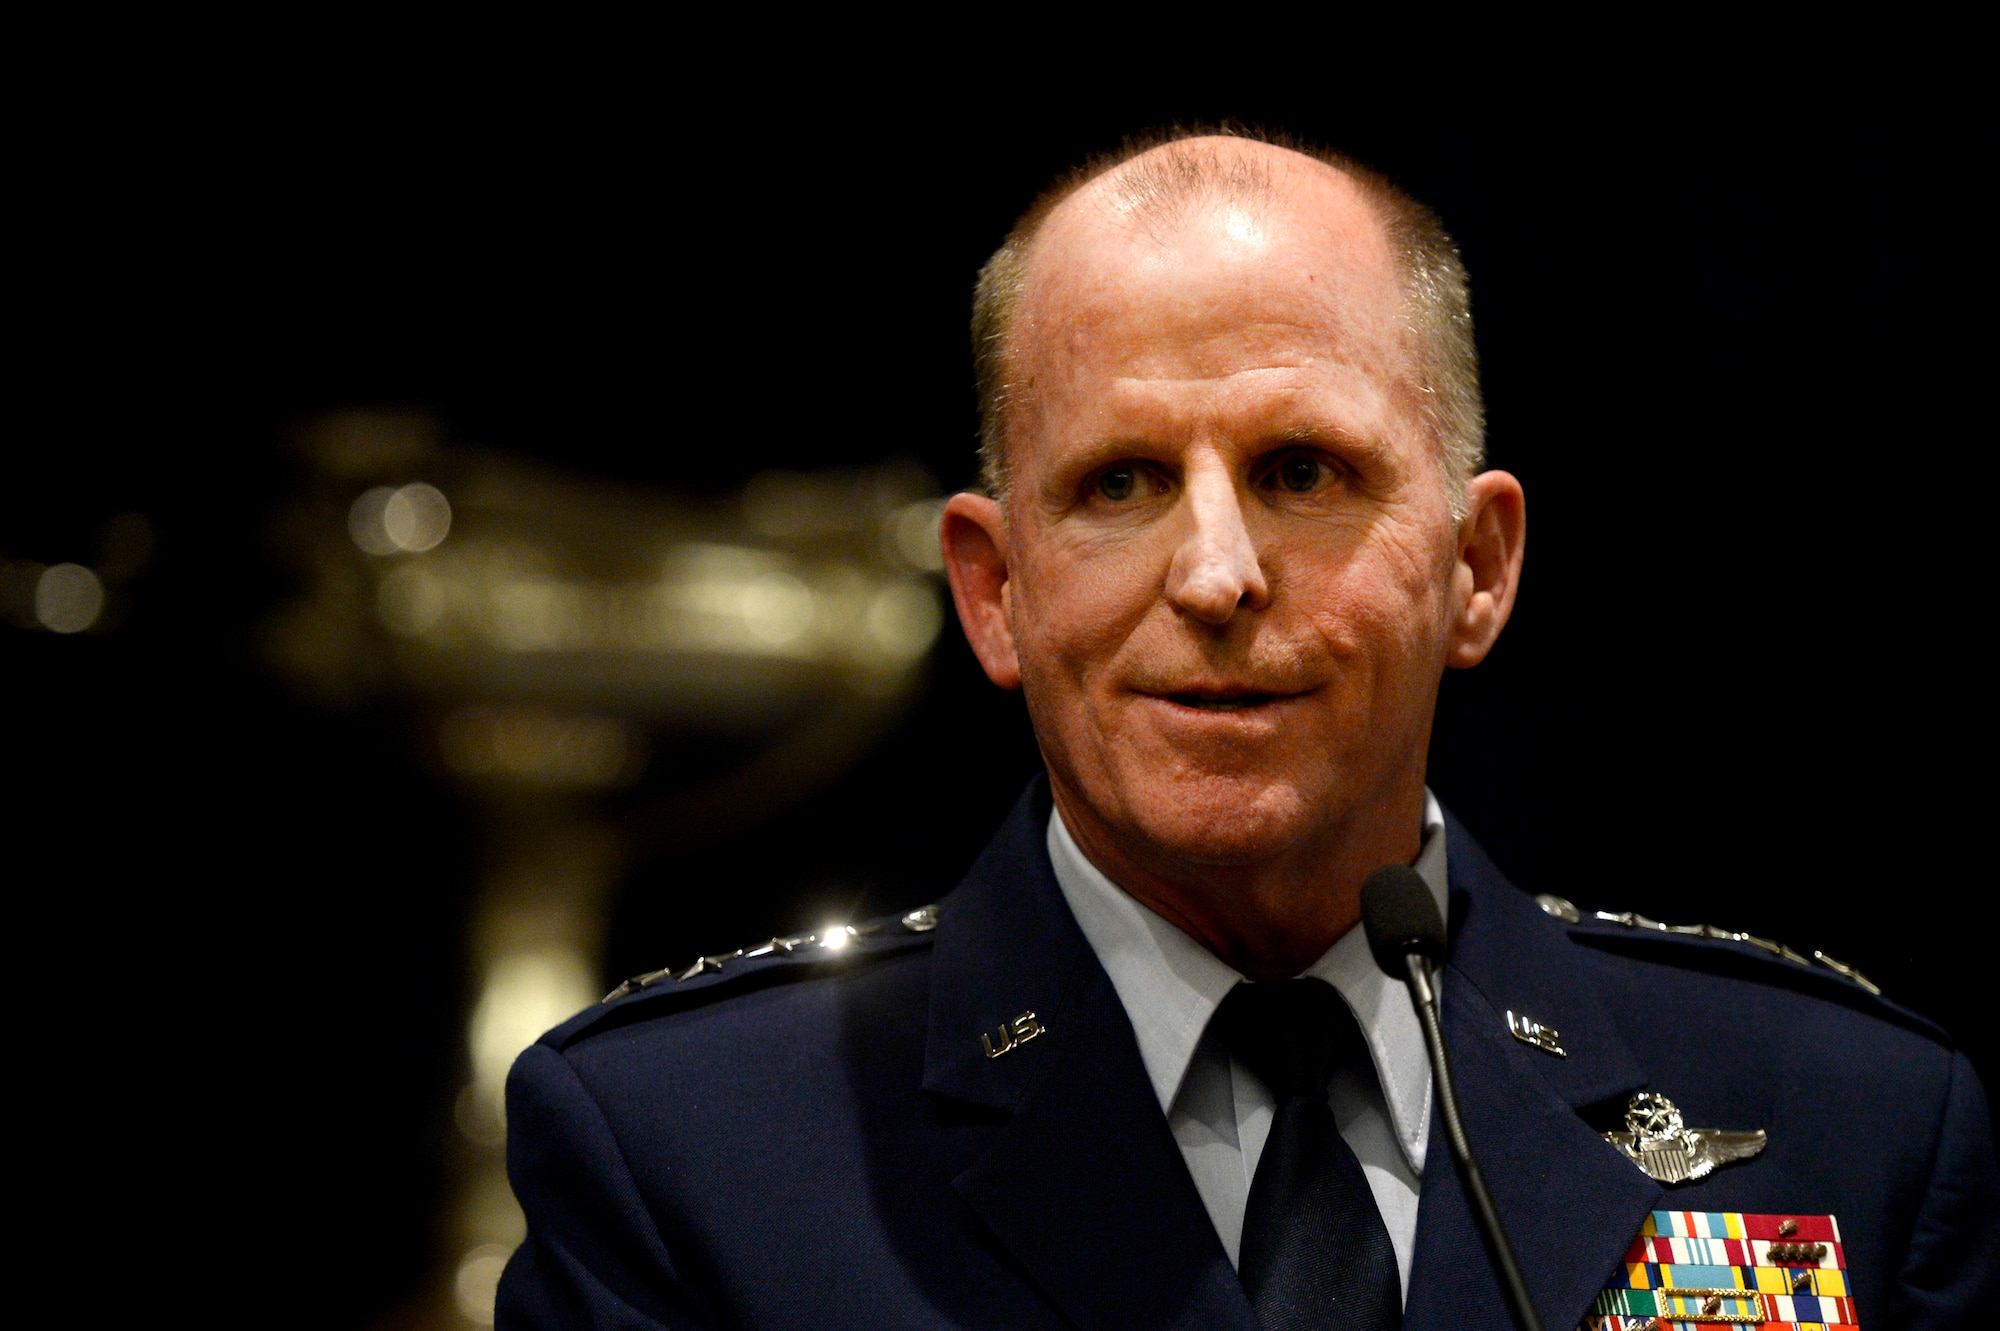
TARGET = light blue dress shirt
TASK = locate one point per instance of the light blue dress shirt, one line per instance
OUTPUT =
(1221, 1114)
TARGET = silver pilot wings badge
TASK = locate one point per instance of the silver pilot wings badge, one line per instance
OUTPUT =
(1665, 1149)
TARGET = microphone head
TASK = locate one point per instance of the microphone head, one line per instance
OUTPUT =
(1400, 916)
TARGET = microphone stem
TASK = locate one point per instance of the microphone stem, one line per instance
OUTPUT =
(1483, 1210)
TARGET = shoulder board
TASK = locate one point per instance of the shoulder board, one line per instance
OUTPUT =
(1615, 922)
(796, 952)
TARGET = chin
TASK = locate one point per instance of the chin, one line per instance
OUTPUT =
(1227, 822)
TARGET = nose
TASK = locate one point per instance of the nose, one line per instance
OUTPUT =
(1215, 570)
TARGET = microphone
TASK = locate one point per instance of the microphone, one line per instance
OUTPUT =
(1400, 917)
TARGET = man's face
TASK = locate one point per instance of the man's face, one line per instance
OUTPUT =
(1229, 549)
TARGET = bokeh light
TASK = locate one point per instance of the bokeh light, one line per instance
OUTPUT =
(914, 527)
(478, 1280)
(68, 598)
(525, 992)
(393, 520)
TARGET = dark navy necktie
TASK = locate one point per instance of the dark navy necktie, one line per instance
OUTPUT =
(1315, 1252)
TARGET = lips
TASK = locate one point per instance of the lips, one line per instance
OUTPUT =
(1220, 696)
(1232, 702)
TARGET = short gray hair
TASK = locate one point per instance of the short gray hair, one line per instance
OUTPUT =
(1434, 282)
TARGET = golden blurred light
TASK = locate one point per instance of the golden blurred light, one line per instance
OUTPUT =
(537, 616)
(68, 598)
(417, 517)
(478, 1281)
(491, 1214)
(732, 600)
(546, 628)
(392, 520)
(914, 528)
(903, 619)
(526, 991)
(477, 1120)
(777, 608)
(412, 600)
(708, 598)
(802, 505)
(538, 747)
(364, 521)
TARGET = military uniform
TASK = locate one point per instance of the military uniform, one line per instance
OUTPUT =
(943, 1120)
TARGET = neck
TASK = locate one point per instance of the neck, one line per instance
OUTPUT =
(1270, 918)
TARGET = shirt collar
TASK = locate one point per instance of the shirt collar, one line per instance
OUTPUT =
(1171, 985)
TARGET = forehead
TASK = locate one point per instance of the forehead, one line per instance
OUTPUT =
(1276, 246)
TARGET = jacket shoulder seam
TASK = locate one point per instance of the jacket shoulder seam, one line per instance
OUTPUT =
(672, 992)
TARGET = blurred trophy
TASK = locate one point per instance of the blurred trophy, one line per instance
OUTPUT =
(603, 671)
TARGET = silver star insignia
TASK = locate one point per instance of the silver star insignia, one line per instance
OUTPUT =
(1666, 1149)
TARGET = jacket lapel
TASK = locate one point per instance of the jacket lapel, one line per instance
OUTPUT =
(1083, 1185)
(1570, 1202)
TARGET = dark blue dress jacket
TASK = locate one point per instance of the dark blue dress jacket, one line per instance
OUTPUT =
(820, 1139)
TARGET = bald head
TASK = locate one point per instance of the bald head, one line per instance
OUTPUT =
(1166, 185)
(1132, 224)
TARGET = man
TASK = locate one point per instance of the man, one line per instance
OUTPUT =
(1138, 1069)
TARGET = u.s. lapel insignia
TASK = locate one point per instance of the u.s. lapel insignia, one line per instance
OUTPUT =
(1013, 1034)
(1529, 1031)
(1666, 1149)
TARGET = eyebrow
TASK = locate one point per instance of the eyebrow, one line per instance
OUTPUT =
(1331, 438)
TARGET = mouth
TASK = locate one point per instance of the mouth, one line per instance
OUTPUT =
(1226, 702)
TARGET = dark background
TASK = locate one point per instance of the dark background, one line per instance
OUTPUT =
(1739, 358)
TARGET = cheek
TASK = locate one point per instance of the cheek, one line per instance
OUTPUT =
(1076, 604)
(1381, 609)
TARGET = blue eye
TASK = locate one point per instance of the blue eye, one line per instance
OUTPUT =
(1118, 483)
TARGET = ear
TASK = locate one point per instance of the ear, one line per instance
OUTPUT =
(974, 535)
(1490, 541)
